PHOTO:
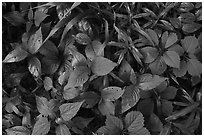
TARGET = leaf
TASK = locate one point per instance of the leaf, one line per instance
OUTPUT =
(166, 129)
(148, 81)
(44, 106)
(172, 59)
(154, 123)
(189, 44)
(167, 107)
(34, 66)
(172, 39)
(106, 130)
(164, 38)
(90, 53)
(82, 38)
(186, 6)
(15, 18)
(98, 47)
(166, 25)
(91, 99)
(69, 110)
(182, 70)
(182, 112)
(41, 127)
(81, 122)
(39, 17)
(18, 130)
(191, 27)
(134, 122)
(62, 129)
(130, 97)
(112, 121)
(64, 21)
(177, 48)
(70, 93)
(187, 17)
(35, 41)
(194, 67)
(16, 55)
(50, 65)
(153, 36)
(125, 71)
(150, 54)
(102, 66)
(111, 93)
(106, 107)
(158, 66)
(146, 106)
(69, 25)
(175, 22)
(169, 93)
(48, 84)
(49, 49)
(78, 77)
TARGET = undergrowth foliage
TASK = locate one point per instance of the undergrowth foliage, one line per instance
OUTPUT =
(110, 68)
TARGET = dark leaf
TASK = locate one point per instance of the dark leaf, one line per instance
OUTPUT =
(154, 123)
(182, 112)
(146, 106)
(91, 99)
(15, 18)
(169, 93)
(167, 107)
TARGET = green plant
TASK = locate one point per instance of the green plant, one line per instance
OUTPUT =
(119, 68)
